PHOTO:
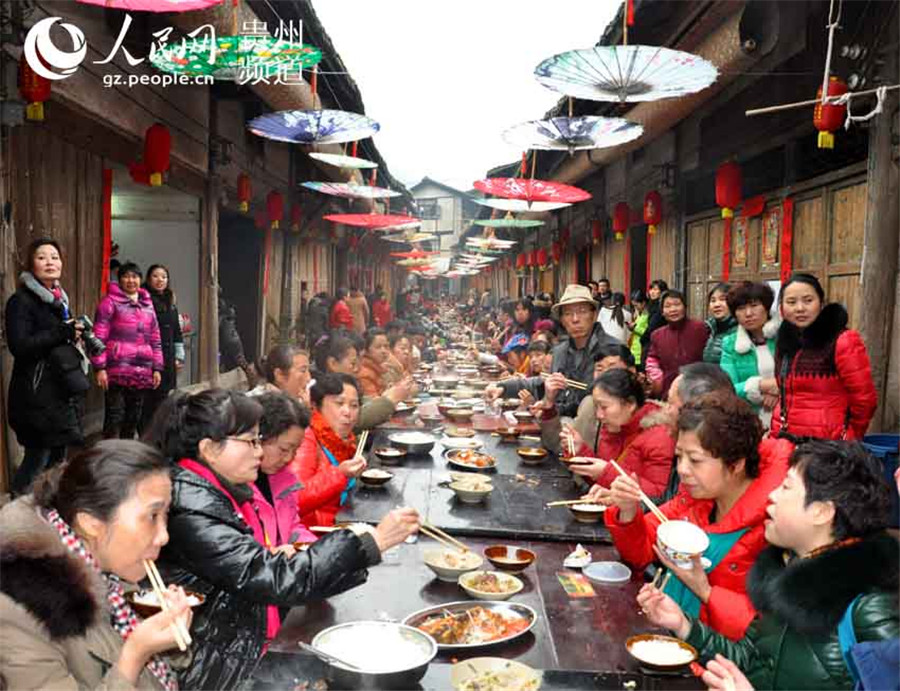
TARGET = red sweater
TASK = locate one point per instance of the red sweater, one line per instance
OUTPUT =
(729, 610)
(341, 316)
(671, 347)
(381, 313)
(649, 453)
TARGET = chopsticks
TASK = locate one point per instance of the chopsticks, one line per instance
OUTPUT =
(361, 444)
(644, 498)
(571, 383)
(665, 580)
(182, 636)
(569, 502)
(442, 537)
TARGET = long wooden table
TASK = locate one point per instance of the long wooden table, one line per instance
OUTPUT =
(579, 641)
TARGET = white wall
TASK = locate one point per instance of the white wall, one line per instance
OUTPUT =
(162, 226)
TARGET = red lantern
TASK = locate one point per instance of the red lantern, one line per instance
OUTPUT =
(652, 211)
(542, 257)
(275, 208)
(596, 230)
(521, 261)
(728, 188)
(157, 149)
(296, 217)
(35, 89)
(828, 118)
(139, 173)
(556, 251)
(621, 218)
(244, 191)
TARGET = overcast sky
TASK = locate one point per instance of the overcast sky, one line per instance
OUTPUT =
(445, 78)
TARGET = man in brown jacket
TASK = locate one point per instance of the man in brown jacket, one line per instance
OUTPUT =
(359, 308)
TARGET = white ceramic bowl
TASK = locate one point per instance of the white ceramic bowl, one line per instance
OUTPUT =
(511, 585)
(468, 495)
(438, 561)
(681, 541)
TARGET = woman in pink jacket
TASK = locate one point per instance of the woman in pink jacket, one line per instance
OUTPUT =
(132, 363)
(281, 428)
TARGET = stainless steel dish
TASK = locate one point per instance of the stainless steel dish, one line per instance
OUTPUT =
(507, 609)
(418, 647)
(413, 442)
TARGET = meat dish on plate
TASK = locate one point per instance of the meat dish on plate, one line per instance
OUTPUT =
(472, 626)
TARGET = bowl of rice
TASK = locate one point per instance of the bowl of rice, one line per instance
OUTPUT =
(660, 652)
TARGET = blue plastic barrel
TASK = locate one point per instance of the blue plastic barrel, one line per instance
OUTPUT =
(885, 447)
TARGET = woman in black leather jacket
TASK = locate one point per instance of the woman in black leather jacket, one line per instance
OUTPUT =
(217, 545)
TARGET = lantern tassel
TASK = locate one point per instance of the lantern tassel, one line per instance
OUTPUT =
(156, 179)
(826, 140)
(35, 111)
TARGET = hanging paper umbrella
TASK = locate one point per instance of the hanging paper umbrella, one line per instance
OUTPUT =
(572, 134)
(414, 254)
(234, 57)
(153, 5)
(342, 161)
(350, 191)
(371, 220)
(410, 238)
(313, 126)
(626, 73)
(508, 222)
(531, 190)
(521, 205)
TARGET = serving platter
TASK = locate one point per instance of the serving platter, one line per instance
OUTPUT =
(510, 610)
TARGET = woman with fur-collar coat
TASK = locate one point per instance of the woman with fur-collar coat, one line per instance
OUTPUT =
(823, 374)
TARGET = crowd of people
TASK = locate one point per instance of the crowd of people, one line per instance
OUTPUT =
(747, 425)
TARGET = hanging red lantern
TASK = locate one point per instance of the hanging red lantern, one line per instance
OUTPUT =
(596, 231)
(275, 208)
(828, 118)
(621, 218)
(542, 258)
(244, 191)
(652, 211)
(729, 185)
(296, 217)
(521, 261)
(556, 251)
(157, 151)
(35, 89)
(139, 173)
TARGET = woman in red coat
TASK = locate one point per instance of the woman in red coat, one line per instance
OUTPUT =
(680, 342)
(341, 316)
(824, 382)
(727, 474)
(625, 434)
(326, 462)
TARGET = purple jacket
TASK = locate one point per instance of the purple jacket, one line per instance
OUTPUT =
(281, 522)
(131, 334)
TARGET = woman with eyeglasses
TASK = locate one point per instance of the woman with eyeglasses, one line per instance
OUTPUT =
(217, 541)
(281, 429)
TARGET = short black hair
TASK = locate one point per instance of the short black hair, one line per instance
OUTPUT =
(394, 339)
(673, 295)
(129, 268)
(331, 384)
(727, 427)
(747, 292)
(621, 384)
(660, 284)
(720, 287)
(615, 350)
(34, 246)
(603, 280)
(848, 476)
(539, 347)
(281, 357)
(372, 334)
(335, 347)
(280, 412)
(699, 378)
(808, 279)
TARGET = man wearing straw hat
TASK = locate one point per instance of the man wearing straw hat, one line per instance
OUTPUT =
(573, 358)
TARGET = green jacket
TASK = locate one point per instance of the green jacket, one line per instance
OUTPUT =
(741, 362)
(718, 330)
(793, 642)
(641, 322)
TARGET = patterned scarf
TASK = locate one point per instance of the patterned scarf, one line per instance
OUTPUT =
(341, 449)
(122, 617)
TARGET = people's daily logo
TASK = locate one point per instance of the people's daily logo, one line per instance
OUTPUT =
(45, 58)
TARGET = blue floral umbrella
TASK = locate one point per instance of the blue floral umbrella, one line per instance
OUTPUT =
(350, 191)
(313, 126)
(572, 134)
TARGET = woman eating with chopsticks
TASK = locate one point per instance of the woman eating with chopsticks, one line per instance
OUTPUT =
(92, 523)
(218, 546)
(329, 461)
(727, 472)
(628, 433)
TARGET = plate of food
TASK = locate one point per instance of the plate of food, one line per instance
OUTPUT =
(493, 674)
(490, 585)
(375, 477)
(473, 460)
(468, 624)
(460, 432)
(449, 564)
(473, 488)
(469, 444)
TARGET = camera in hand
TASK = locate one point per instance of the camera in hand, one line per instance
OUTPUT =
(92, 345)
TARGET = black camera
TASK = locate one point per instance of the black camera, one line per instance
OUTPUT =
(93, 346)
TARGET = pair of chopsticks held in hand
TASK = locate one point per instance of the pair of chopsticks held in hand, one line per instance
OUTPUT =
(179, 628)
(571, 383)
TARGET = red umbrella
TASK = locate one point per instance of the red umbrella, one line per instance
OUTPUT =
(371, 220)
(532, 190)
(415, 254)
